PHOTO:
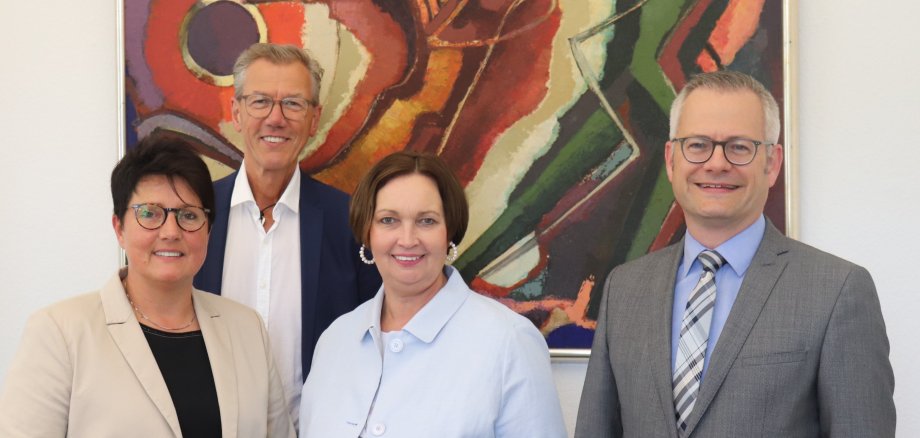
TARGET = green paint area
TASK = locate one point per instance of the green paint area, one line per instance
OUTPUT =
(658, 19)
(595, 141)
(655, 212)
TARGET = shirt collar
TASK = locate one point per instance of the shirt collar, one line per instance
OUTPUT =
(242, 191)
(428, 322)
(371, 324)
(737, 251)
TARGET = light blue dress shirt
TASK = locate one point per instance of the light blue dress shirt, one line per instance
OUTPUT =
(463, 366)
(738, 253)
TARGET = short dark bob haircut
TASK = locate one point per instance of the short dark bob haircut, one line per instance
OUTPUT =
(364, 200)
(167, 155)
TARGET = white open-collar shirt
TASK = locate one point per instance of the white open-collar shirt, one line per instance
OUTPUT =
(262, 271)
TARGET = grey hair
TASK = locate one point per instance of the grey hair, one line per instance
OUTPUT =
(730, 81)
(278, 54)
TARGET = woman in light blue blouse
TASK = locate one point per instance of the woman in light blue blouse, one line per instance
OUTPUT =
(427, 356)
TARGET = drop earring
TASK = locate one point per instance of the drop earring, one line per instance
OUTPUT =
(452, 255)
(363, 257)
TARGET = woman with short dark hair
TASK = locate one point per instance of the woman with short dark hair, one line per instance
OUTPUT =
(148, 355)
(426, 357)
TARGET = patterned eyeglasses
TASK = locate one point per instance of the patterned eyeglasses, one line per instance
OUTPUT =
(152, 216)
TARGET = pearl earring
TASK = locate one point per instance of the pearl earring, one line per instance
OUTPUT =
(363, 257)
(453, 254)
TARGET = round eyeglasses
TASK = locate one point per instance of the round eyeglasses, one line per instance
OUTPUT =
(738, 151)
(292, 108)
(152, 216)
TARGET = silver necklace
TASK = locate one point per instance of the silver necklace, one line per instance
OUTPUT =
(141, 313)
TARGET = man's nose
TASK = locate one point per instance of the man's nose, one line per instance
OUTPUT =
(718, 160)
(276, 114)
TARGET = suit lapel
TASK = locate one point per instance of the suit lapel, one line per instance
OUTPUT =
(220, 354)
(311, 239)
(758, 284)
(210, 277)
(661, 282)
(127, 335)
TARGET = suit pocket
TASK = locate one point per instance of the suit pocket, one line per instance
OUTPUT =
(774, 358)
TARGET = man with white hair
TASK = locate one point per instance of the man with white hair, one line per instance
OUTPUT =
(280, 242)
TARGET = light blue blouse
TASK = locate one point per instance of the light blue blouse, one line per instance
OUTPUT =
(464, 366)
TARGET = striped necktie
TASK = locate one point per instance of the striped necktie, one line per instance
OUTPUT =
(694, 334)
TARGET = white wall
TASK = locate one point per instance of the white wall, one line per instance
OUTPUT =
(858, 154)
(58, 146)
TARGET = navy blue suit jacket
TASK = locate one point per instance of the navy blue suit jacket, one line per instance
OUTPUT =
(333, 279)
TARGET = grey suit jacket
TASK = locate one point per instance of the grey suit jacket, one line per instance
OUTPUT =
(84, 369)
(803, 353)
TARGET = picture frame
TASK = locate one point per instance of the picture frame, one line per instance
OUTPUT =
(552, 113)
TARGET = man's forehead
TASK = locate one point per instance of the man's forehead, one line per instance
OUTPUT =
(728, 110)
(265, 72)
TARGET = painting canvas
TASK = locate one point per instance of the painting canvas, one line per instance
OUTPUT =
(552, 113)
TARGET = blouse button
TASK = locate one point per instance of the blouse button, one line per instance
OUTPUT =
(396, 345)
(379, 429)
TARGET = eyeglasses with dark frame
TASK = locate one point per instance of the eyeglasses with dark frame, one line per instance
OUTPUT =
(737, 151)
(152, 216)
(292, 108)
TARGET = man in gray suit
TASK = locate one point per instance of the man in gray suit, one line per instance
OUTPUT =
(737, 330)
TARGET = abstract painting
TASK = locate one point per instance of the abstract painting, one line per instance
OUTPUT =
(552, 113)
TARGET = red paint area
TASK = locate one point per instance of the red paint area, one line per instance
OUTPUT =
(183, 92)
(511, 86)
(386, 43)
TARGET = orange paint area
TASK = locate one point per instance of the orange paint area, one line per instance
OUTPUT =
(394, 129)
(562, 312)
(183, 91)
(285, 22)
(733, 30)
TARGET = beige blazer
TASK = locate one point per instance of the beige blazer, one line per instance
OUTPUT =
(84, 369)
